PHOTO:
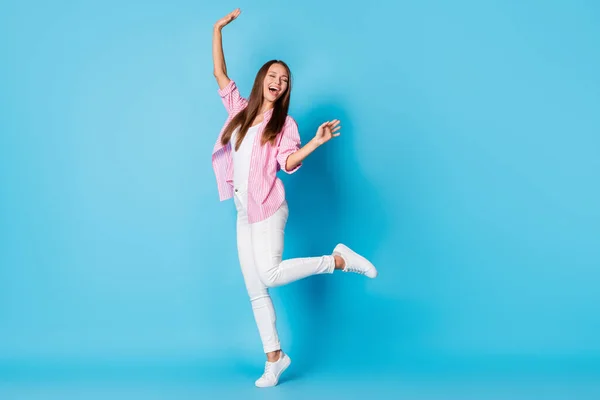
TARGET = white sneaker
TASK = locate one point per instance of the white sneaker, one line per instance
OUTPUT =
(273, 370)
(355, 262)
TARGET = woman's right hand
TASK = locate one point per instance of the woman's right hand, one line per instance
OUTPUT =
(227, 19)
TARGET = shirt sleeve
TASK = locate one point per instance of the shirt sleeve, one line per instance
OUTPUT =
(289, 144)
(232, 100)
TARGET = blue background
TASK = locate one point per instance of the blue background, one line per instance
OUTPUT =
(467, 171)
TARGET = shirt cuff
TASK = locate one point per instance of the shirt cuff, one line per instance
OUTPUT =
(227, 89)
(291, 171)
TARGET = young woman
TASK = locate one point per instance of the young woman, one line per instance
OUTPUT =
(257, 140)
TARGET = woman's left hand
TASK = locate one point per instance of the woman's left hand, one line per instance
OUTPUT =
(327, 131)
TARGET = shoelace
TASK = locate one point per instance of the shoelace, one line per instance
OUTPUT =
(350, 268)
(268, 370)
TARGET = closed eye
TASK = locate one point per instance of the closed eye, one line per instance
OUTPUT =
(275, 76)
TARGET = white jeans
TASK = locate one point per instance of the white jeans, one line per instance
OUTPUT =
(260, 248)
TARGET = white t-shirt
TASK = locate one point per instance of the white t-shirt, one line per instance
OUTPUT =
(241, 157)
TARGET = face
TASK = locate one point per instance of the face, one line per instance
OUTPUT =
(276, 82)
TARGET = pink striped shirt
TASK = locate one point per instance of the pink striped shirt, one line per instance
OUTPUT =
(265, 190)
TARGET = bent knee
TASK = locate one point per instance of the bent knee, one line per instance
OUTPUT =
(269, 279)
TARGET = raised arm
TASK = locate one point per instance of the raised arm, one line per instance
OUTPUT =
(220, 69)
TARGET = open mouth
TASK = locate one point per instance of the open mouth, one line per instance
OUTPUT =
(273, 90)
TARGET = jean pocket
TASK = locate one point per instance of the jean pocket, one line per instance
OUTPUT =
(241, 200)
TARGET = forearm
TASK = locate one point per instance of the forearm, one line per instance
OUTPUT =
(296, 158)
(220, 68)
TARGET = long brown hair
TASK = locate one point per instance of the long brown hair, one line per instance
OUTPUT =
(244, 118)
